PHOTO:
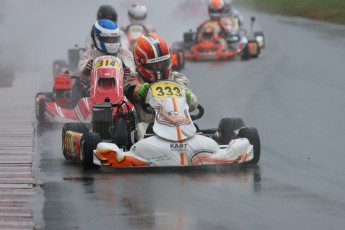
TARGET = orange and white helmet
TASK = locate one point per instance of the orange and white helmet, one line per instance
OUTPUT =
(216, 9)
(152, 57)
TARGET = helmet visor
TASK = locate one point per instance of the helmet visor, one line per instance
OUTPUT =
(158, 64)
(110, 39)
(215, 11)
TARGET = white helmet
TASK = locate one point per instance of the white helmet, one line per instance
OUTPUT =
(106, 36)
(137, 13)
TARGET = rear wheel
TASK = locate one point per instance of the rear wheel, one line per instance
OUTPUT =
(75, 127)
(226, 129)
(252, 135)
(179, 54)
(245, 53)
(41, 105)
(181, 58)
(89, 143)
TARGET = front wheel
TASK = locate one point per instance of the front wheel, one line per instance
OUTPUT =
(252, 135)
(245, 55)
(89, 142)
(40, 105)
(226, 129)
(75, 127)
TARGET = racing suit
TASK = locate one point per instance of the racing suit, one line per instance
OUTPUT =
(237, 15)
(148, 28)
(222, 26)
(91, 54)
(131, 86)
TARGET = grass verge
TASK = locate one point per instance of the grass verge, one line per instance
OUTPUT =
(324, 10)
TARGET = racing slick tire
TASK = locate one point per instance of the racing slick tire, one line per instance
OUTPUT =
(252, 135)
(89, 142)
(226, 129)
(245, 53)
(41, 107)
(75, 127)
(180, 59)
(253, 49)
(261, 41)
(57, 65)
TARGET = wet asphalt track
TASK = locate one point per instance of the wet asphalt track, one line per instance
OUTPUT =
(293, 94)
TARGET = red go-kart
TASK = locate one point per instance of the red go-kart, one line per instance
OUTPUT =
(72, 99)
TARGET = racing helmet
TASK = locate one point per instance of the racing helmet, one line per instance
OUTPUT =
(137, 13)
(216, 9)
(152, 57)
(105, 35)
(228, 6)
(107, 12)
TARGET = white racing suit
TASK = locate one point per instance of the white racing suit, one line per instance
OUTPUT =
(131, 87)
(91, 54)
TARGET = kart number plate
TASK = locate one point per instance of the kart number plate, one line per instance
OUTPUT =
(107, 63)
(166, 89)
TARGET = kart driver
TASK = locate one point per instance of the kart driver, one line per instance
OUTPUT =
(108, 12)
(137, 14)
(216, 11)
(231, 12)
(152, 58)
(105, 36)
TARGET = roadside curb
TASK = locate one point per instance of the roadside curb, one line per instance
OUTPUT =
(17, 182)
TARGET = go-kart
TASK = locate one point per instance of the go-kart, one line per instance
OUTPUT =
(172, 140)
(211, 43)
(72, 98)
(135, 30)
(61, 66)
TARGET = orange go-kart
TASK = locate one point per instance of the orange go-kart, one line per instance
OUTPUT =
(211, 43)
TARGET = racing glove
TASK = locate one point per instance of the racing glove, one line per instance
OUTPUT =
(142, 92)
(88, 67)
(188, 97)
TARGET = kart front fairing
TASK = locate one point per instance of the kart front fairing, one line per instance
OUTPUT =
(172, 119)
(175, 142)
(106, 84)
(211, 44)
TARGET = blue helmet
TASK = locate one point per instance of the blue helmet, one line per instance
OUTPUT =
(106, 36)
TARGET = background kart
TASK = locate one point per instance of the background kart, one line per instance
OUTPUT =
(61, 66)
(210, 44)
(72, 98)
(172, 140)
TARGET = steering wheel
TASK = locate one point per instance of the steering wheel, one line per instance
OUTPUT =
(199, 114)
